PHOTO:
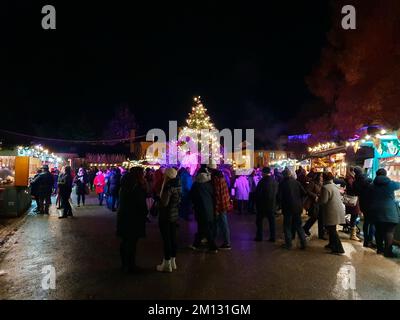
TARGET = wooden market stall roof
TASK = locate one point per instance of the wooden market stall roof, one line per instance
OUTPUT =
(325, 153)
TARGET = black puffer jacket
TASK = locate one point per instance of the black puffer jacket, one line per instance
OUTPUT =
(81, 182)
(291, 196)
(170, 200)
(202, 195)
(266, 195)
(44, 183)
(34, 186)
(362, 188)
(132, 209)
(65, 184)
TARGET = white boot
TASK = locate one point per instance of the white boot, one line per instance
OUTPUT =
(165, 266)
(353, 235)
(173, 263)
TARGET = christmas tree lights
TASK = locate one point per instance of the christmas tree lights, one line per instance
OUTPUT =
(200, 135)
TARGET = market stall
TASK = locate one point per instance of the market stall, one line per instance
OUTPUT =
(328, 157)
(292, 164)
(17, 167)
(379, 150)
(385, 153)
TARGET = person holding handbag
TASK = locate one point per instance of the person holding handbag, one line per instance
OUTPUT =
(352, 204)
(333, 211)
(313, 189)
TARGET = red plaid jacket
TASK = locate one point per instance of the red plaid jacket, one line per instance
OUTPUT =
(221, 195)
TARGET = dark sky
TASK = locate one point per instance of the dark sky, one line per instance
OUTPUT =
(248, 61)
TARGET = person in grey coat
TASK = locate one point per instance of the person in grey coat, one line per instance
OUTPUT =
(333, 212)
(384, 211)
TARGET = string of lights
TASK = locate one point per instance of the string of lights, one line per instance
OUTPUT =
(199, 130)
(322, 147)
(72, 141)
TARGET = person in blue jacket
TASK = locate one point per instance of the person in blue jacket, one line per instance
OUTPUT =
(185, 208)
(384, 211)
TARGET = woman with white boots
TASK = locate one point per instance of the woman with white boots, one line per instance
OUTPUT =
(168, 216)
(352, 208)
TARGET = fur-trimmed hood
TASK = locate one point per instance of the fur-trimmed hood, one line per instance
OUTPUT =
(203, 177)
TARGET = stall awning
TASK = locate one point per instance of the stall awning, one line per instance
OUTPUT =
(325, 153)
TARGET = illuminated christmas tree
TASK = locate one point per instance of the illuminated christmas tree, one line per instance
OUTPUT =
(198, 118)
(199, 135)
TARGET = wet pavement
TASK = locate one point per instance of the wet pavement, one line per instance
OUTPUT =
(84, 253)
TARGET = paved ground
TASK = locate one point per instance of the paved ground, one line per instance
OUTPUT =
(84, 253)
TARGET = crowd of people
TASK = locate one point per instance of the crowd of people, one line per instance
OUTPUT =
(106, 184)
(170, 193)
(328, 200)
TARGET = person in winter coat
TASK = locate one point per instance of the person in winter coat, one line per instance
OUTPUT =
(168, 216)
(64, 190)
(131, 217)
(227, 175)
(354, 211)
(291, 194)
(314, 189)
(384, 211)
(99, 183)
(252, 187)
(301, 176)
(55, 174)
(158, 181)
(114, 184)
(91, 176)
(34, 186)
(202, 196)
(221, 208)
(44, 182)
(278, 175)
(186, 183)
(242, 191)
(149, 179)
(266, 204)
(362, 188)
(107, 175)
(81, 180)
(333, 212)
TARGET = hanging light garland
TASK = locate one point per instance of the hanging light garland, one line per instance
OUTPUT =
(355, 143)
(322, 147)
(377, 136)
(39, 152)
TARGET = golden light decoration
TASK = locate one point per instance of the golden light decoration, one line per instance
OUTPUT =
(322, 147)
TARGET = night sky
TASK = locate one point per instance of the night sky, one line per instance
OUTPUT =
(247, 61)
